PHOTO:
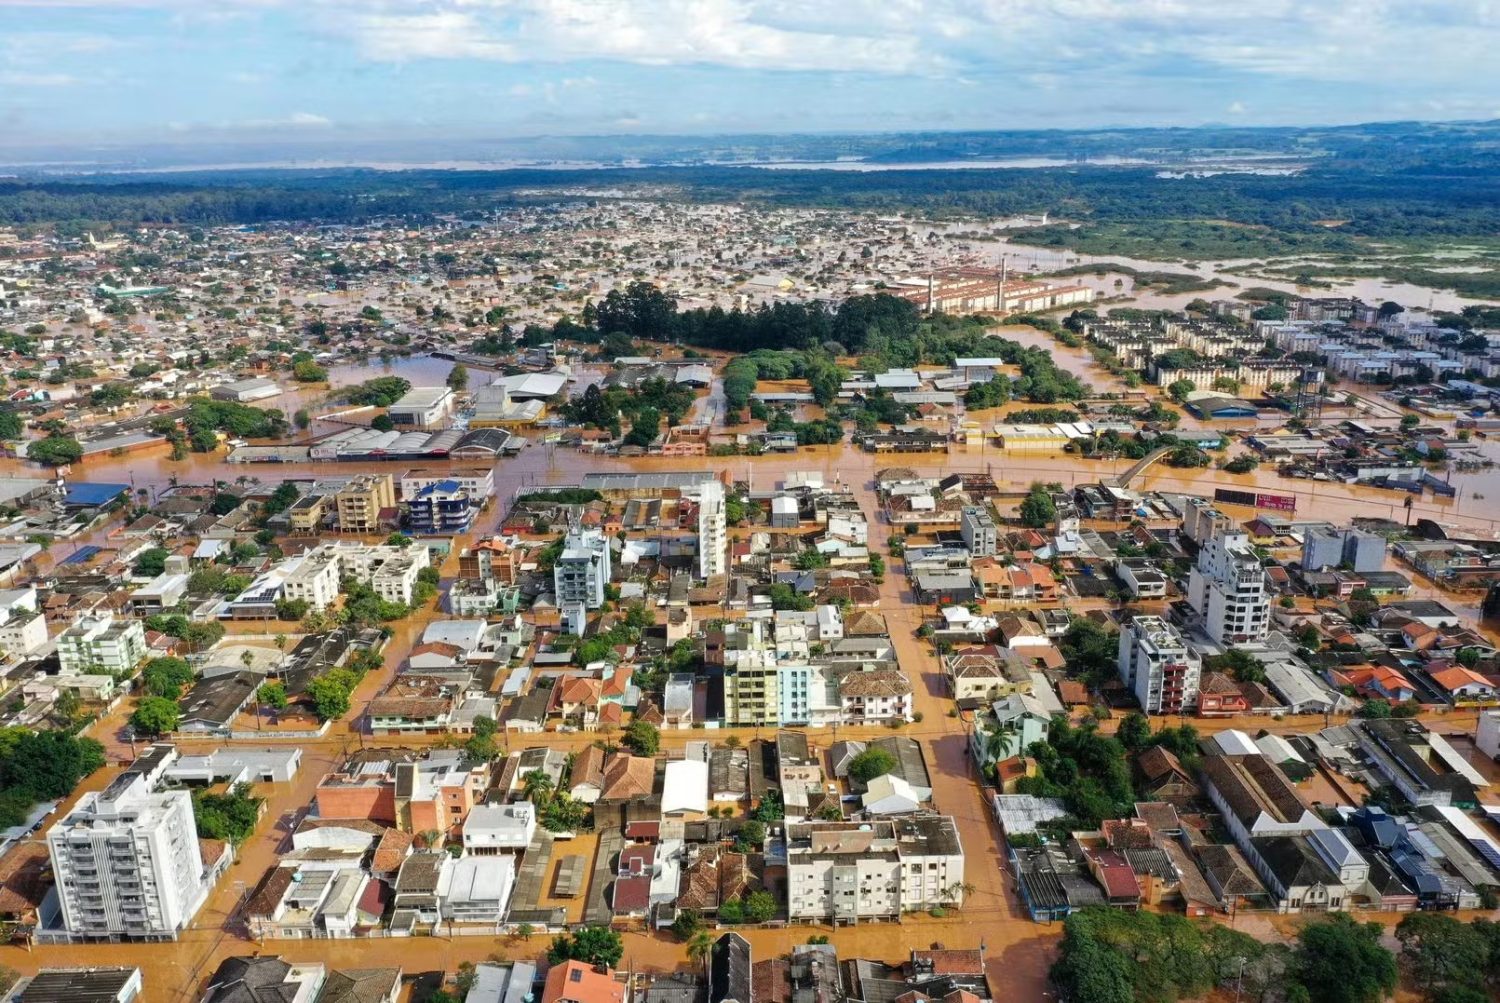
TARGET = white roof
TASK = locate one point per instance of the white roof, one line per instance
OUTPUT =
(478, 879)
(888, 794)
(1236, 743)
(532, 384)
(685, 787)
(1455, 760)
(1277, 749)
(500, 825)
(465, 634)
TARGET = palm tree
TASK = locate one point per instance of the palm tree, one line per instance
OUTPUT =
(538, 788)
(700, 946)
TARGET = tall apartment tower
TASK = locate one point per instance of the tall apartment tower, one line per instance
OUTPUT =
(1159, 667)
(126, 859)
(1230, 590)
(979, 532)
(582, 569)
(712, 531)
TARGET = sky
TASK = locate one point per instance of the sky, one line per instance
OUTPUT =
(89, 71)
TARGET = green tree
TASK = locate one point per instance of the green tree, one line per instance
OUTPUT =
(873, 762)
(1439, 950)
(151, 562)
(1339, 960)
(308, 371)
(458, 377)
(155, 716)
(166, 677)
(46, 765)
(1134, 732)
(1037, 509)
(1180, 389)
(272, 694)
(230, 816)
(537, 787)
(55, 450)
(1091, 971)
(329, 694)
(593, 945)
(643, 738)
(732, 911)
(481, 743)
(687, 923)
(760, 906)
(751, 837)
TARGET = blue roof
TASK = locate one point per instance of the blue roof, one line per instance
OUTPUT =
(447, 487)
(81, 555)
(89, 495)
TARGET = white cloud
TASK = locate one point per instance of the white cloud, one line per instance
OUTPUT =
(22, 78)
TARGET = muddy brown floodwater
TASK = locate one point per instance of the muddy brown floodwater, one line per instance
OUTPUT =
(1018, 951)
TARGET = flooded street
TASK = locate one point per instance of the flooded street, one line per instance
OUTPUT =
(1018, 952)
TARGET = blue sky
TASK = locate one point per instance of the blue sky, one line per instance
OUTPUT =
(88, 70)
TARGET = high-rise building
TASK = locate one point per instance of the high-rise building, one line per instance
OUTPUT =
(582, 569)
(1322, 547)
(978, 530)
(1159, 667)
(362, 500)
(1230, 590)
(126, 859)
(442, 508)
(712, 529)
(101, 644)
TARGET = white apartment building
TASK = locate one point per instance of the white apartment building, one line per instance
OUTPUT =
(395, 580)
(1159, 667)
(101, 644)
(479, 482)
(390, 571)
(314, 580)
(582, 569)
(978, 530)
(23, 629)
(712, 531)
(846, 872)
(126, 859)
(1229, 589)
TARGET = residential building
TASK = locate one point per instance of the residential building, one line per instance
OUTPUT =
(1420, 764)
(23, 627)
(365, 502)
(712, 530)
(1228, 588)
(1158, 666)
(576, 982)
(79, 985)
(126, 859)
(752, 690)
(254, 979)
(491, 829)
(729, 970)
(479, 482)
(442, 508)
(313, 579)
(582, 570)
(101, 644)
(846, 872)
(978, 529)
